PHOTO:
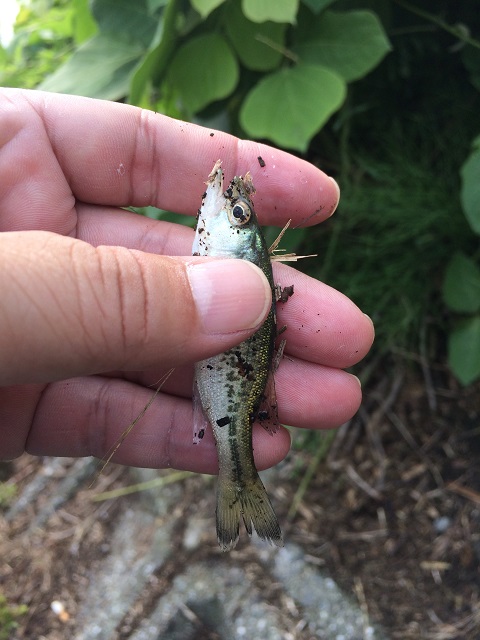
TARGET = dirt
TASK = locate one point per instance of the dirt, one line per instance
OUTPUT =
(393, 514)
(396, 511)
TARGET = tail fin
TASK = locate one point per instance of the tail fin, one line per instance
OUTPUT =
(250, 502)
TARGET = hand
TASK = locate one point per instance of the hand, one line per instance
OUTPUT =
(97, 302)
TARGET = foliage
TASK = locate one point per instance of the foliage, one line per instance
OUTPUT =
(8, 617)
(393, 234)
(404, 242)
(46, 32)
(7, 493)
(246, 59)
(461, 286)
(314, 75)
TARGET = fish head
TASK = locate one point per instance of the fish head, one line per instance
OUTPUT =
(227, 225)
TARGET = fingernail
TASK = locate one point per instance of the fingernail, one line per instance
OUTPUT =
(338, 195)
(230, 295)
(357, 379)
(371, 321)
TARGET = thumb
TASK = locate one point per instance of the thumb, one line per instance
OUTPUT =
(71, 309)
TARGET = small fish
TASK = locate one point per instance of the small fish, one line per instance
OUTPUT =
(236, 388)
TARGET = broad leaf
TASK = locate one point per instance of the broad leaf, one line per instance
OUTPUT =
(470, 192)
(100, 68)
(248, 39)
(274, 10)
(202, 71)
(153, 5)
(124, 17)
(152, 66)
(83, 24)
(290, 106)
(350, 43)
(464, 351)
(318, 5)
(471, 59)
(461, 287)
(205, 7)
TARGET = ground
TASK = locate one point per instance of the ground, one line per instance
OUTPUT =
(392, 513)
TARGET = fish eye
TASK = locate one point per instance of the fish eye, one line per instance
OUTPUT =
(240, 213)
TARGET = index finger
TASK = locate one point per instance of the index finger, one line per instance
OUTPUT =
(120, 155)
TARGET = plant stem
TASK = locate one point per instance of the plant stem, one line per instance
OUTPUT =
(277, 47)
(459, 32)
(321, 453)
(156, 483)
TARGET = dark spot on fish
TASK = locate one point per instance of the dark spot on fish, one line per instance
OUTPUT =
(204, 195)
(211, 135)
(262, 415)
(261, 161)
(209, 367)
(244, 368)
(201, 433)
(200, 230)
(195, 253)
(222, 422)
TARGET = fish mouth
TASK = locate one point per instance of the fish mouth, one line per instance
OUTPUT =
(214, 200)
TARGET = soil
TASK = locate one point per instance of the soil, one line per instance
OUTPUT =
(397, 515)
(392, 512)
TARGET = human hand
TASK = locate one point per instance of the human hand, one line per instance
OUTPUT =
(98, 302)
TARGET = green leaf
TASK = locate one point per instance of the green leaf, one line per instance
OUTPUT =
(244, 36)
(461, 287)
(318, 5)
(100, 68)
(274, 10)
(290, 106)
(464, 351)
(131, 20)
(470, 191)
(205, 7)
(202, 71)
(152, 66)
(350, 43)
(471, 59)
(153, 5)
(83, 24)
